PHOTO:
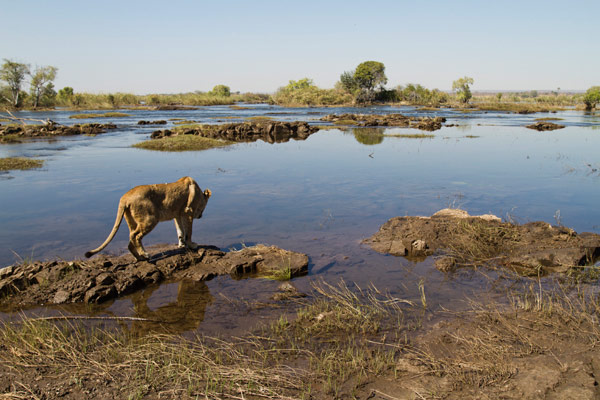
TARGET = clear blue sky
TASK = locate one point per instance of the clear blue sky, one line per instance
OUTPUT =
(253, 45)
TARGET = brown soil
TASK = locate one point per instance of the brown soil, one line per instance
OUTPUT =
(423, 123)
(105, 277)
(459, 239)
(51, 130)
(497, 355)
(545, 126)
(268, 131)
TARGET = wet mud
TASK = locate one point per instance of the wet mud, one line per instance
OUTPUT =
(105, 277)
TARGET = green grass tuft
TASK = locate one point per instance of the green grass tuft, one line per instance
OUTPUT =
(182, 143)
(22, 163)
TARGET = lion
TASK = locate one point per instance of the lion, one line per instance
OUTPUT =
(146, 205)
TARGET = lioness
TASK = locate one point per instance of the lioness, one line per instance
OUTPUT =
(145, 206)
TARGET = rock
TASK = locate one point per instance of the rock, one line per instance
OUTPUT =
(462, 239)
(423, 123)
(173, 107)
(158, 122)
(268, 131)
(62, 296)
(287, 291)
(103, 278)
(445, 264)
(98, 294)
(544, 126)
(52, 130)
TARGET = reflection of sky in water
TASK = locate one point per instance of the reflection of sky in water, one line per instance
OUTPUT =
(320, 196)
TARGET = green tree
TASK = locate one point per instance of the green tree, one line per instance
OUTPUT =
(592, 97)
(41, 83)
(348, 82)
(13, 73)
(368, 76)
(462, 88)
(66, 92)
(221, 90)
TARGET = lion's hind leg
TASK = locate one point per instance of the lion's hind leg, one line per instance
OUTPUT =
(136, 232)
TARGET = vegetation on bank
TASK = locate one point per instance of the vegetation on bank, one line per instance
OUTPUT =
(182, 143)
(342, 342)
(363, 85)
(97, 115)
(22, 163)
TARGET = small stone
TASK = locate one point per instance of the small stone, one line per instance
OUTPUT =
(445, 264)
(61, 296)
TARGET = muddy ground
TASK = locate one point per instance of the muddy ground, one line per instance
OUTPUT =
(103, 277)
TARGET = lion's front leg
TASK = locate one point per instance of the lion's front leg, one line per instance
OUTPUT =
(188, 223)
(183, 225)
(180, 232)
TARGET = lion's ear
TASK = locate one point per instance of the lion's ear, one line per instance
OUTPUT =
(207, 193)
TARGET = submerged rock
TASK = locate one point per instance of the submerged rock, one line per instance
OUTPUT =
(460, 239)
(104, 277)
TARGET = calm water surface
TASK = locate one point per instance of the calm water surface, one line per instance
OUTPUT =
(321, 196)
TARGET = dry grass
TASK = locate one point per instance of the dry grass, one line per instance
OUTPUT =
(482, 351)
(340, 340)
(97, 115)
(325, 351)
(182, 143)
(478, 242)
(163, 364)
(22, 163)
(411, 135)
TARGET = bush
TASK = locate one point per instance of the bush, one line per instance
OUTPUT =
(304, 93)
(592, 97)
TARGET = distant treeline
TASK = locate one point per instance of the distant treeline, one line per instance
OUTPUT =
(363, 85)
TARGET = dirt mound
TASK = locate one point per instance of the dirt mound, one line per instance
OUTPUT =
(423, 123)
(52, 129)
(544, 126)
(463, 240)
(105, 277)
(268, 131)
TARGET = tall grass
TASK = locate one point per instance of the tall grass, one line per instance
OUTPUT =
(124, 100)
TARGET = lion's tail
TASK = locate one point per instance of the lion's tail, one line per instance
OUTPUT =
(120, 213)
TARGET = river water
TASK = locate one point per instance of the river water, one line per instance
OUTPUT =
(320, 196)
